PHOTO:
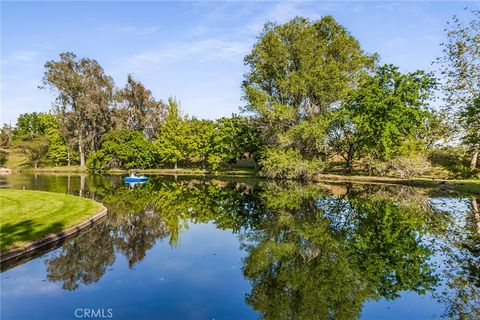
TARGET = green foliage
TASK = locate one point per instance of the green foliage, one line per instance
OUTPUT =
(298, 72)
(171, 137)
(461, 69)
(30, 127)
(30, 124)
(200, 145)
(454, 159)
(57, 154)
(309, 138)
(238, 138)
(123, 149)
(301, 65)
(387, 109)
(287, 164)
(34, 148)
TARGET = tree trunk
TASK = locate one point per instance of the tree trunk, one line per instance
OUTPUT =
(349, 164)
(473, 162)
(175, 165)
(81, 150)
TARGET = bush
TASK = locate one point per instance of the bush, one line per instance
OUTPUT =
(288, 164)
(400, 167)
(99, 161)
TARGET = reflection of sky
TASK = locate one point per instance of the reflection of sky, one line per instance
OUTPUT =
(199, 279)
(409, 306)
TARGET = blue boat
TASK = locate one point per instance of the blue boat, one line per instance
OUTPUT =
(133, 179)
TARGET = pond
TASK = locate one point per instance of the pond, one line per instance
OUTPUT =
(224, 248)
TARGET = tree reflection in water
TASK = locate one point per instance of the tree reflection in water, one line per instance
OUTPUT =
(313, 251)
(461, 294)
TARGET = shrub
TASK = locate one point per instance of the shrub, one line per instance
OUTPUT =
(401, 167)
(288, 164)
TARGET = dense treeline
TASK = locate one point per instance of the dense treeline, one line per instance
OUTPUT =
(315, 101)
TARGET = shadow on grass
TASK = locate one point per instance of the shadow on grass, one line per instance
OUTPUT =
(26, 230)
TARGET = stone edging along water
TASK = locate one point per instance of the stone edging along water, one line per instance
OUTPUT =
(18, 252)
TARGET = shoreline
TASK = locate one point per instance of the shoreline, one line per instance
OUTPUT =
(461, 185)
(32, 246)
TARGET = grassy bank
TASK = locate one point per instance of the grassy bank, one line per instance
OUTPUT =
(26, 216)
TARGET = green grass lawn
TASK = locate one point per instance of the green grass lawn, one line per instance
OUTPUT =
(31, 215)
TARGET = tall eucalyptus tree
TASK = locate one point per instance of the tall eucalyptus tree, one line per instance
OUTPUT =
(84, 96)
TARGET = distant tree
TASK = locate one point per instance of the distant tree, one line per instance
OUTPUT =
(460, 65)
(38, 127)
(138, 108)
(387, 109)
(238, 138)
(6, 136)
(204, 143)
(84, 95)
(30, 124)
(171, 137)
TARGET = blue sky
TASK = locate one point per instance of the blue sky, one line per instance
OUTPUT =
(192, 50)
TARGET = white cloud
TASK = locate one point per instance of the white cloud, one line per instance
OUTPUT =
(285, 11)
(22, 56)
(140, 31)
(200, 50)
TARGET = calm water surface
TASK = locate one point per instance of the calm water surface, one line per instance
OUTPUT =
(191, 248)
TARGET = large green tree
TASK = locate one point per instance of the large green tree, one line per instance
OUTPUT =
(298, 70)
(84, 96)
